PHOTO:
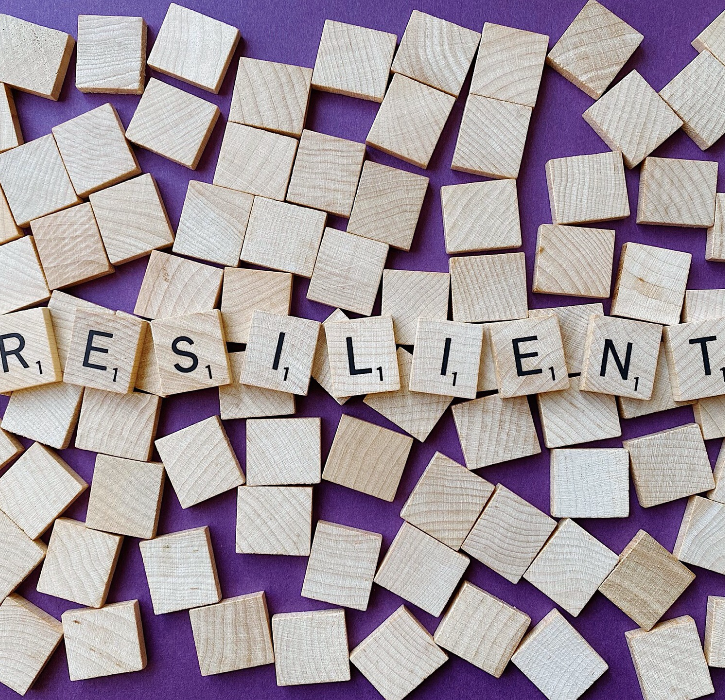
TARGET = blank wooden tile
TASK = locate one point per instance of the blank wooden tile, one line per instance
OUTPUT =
(367, 458)
(321, 372)
(200, 461)
(10, 132)
(699, 541)
(10, 447)
(702, 304)
(172, 123)
(104, 642)
(717, 494)
(23, 282)
(715, 246)
(28, 639)
(111, 54)
(180, 570)
(342, 565)
(669, 660)
(421, 570)
(711, 38)
(646, 581)
(79, 563)
(482, 629)
(9, 230)
(310, 647)
(274, 520)
(710, 416)
(714, 632)
(20, 556)
(557, 659)
(233, 634)
(632, 118)
(148, 378)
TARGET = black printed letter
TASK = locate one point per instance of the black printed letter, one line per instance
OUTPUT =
(90, 347)
(705, 355)
(351, 360)
(184, 353)
(518, 355)
(5, 353)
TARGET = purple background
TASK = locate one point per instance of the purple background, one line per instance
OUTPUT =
(289, 32)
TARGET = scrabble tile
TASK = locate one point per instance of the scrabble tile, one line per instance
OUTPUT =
(34, 179)
(180, 570)
(148, 378)
(632, 118)
(387, 204)
(310, 647)
(446, 501)
(481, 629)
(34, 58)
(280, 352)
(362, 356)
(172, 123)
(509, 534)
(194, 48)
(321, 372)
(646, 581)
(173, 286)
(125, 497)
(274, 520)
(711, 38)
(104, 642)
(715, 246)
(9, 230)
(132, 219)
(79, 563)
(353, 61)
(347, 271)
(668, 465)
(398, 656)
(488, 287)
(367, 458)
(717, 494)
(271, 96)
(701, 304)
(481, 216)
(710, 416)
(20, 556)
(494, 430)
(556, 658)
(341, 565)
(436, 52)
(699, 541)
(10, 132)
(70, 247)
(593, 49)
(587, 188)
(421, 570)
(410, 120)
(590, 483)
(487, 369)
(233, 634)
(669, 660)
(212, 224)
(200, 461)
(10, 447)
(283, 236)
(23, 283)
(714, 632)
(28, 639)
(111, 54)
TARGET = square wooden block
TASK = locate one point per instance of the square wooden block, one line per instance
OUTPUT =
(367, 458)
(233, 634)
(10, 137)
(180, 570)
(23, 282)
(718, 493)
(20, 556)
(9, 230)
(711, 38)
(715, 632)
(593, 49)
(715, 246)
(172, 123)
(10, 447)
(421, 570)
(104, 642)
(321, 371)
(700, 535)
(79, 563)
(710, 416)
(703, 304)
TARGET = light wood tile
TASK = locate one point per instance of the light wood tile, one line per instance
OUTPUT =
(20, 556)
(701, 304)
(10, 447)
(321, 372)
(699, 541)
(715, 246)
(23, 282)
(714, 632)
(10, 132)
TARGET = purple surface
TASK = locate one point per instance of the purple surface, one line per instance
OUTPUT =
(290, 32)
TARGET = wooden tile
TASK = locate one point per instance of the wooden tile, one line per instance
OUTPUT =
(711, 38)
(669, 660)
(342, 565)
(715, 246)
(421, 570)
(283, 236)
(398, 656)
(487, 369)
(200, 461)
(710, 416)
(632, 118)
(367, 458)
(20, 556)
(410, 120)
(714, 632)
(10, 132)
(590, 483)
(271, 96)
(28, 639)
(494, 430)
(212, 224)
(701, 304)
(9, 230)
(104, 642)
(718, 494)
(587, 188)
(274, 520)
(180, 570)
(172, 123)
(79, 563)
(34, 58)
(194, 48)
(699, 541)
(233, 634)
(557, 659)
(148, 378)
(10, 447)
(310, 647)
(111, 54)
(646, 581)
(23, 282)
(321, 372)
